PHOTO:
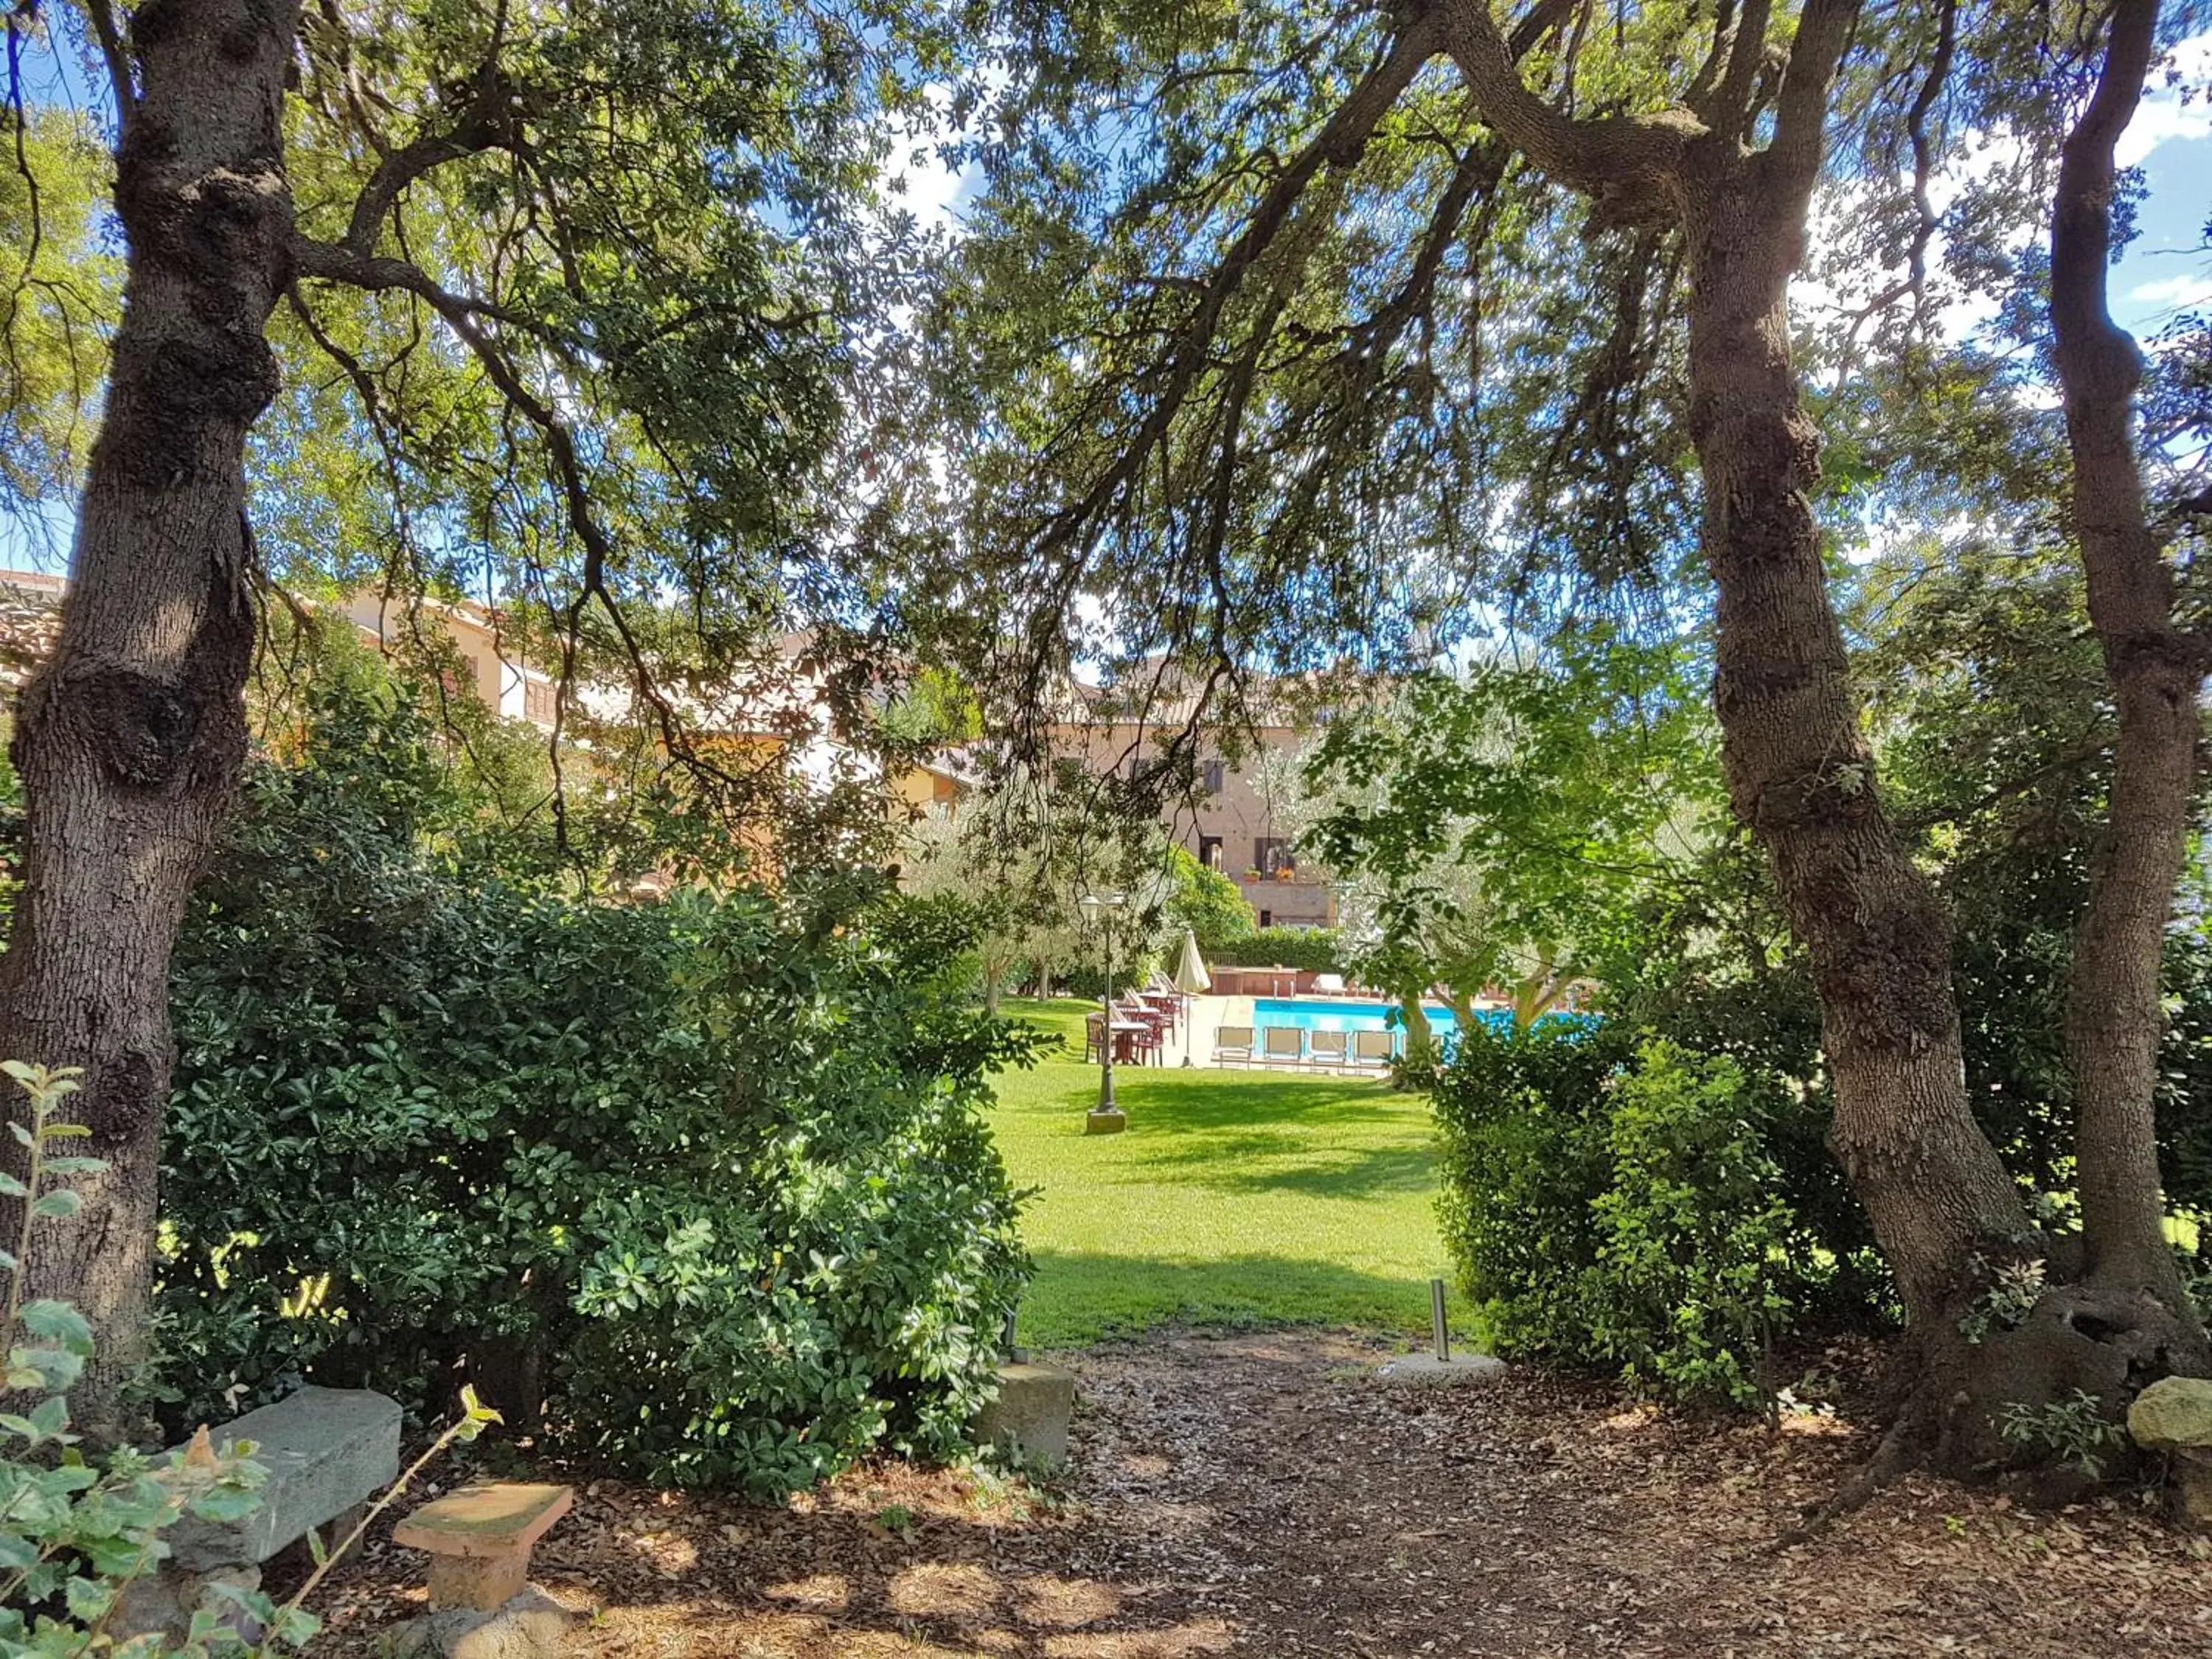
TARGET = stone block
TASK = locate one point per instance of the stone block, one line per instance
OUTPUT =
(1426, 1371)
(1031, 1414)
(325, 1450)
(162, 1602)
(532, 1625)
(2173, 1415)
(480, 1539)
(1096, 1122)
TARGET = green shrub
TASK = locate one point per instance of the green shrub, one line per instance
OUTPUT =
(1618, 1201)
(705, 1176)
(1315, 949)
(1699, 1244)
(1521, 1157)
(1207, 902)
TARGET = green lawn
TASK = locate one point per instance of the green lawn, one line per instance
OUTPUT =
(1235, 1197)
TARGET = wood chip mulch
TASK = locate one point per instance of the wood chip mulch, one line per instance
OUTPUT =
(1262, 1495)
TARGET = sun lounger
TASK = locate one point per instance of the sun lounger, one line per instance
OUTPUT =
(1283, 1045)
(1329, 985)
(1327, 1048)
(1373, 1050)
(1232, 1042)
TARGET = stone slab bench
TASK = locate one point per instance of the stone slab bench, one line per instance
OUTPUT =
(328, 1451)
(479, 1539)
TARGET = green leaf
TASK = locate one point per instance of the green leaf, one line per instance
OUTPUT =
(55, 1369)
(59, 1324)
(57, 1205)
(226, 1503)
(88, 1598)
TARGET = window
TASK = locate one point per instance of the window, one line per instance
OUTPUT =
(1271, 854)
(1216, 777)
(537, 700)
(1267, 918)
(1209, 851)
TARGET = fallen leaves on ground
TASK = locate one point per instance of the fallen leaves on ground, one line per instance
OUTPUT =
(1263, 1495)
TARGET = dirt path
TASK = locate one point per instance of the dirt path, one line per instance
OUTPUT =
(1262, 1495)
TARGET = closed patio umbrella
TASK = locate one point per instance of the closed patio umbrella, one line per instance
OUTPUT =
(1190, 974)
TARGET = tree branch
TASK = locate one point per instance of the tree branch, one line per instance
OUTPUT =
(117, 56)
(485, 123)
(1341, 141)
(1600, 155)
(1792, 162)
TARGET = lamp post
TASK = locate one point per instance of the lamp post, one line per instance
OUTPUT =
(1105, 1118)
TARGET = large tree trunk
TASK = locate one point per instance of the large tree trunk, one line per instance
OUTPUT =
(2114, 1021)
(1801, 776)
(130, 741)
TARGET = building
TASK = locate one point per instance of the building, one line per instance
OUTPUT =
(491, 668)
(783, 710)
(1240, 820)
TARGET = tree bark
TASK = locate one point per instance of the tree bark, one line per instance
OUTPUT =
(129, 740)
(2113, 1017)
(1800, 773)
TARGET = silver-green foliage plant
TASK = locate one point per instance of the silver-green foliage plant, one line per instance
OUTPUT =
(74, 1536)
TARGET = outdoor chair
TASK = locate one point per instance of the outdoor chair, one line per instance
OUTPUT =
(1329, 985)
(1327, 1048)
(1373, 1048)
(1286, 1045)
(1094, 1037)
(1232, 1042)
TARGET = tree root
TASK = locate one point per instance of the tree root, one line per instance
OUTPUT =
(1900, 1452)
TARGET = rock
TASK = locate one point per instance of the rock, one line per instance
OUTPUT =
(1031, 1414)
(164, 1601)
(1426, 1371)
(2173, 1415)
(326, 1450)
(531, 1625)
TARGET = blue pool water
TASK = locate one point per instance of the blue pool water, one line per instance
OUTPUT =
(1303, 1015)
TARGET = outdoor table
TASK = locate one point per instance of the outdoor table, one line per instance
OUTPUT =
(1125, 1033)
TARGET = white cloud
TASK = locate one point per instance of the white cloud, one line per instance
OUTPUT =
(2176, 293)
(2165, 116)
(2161, 119)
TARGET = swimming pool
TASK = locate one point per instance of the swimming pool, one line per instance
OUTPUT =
(1303, 1015)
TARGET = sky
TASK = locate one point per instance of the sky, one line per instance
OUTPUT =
(2167, 269)
(2165, 272)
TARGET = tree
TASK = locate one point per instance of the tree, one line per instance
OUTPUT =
(2113, 1017)
(1206, 901)
(566, 294)
(1400, 311)
(1489, 824)
(943, 856)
